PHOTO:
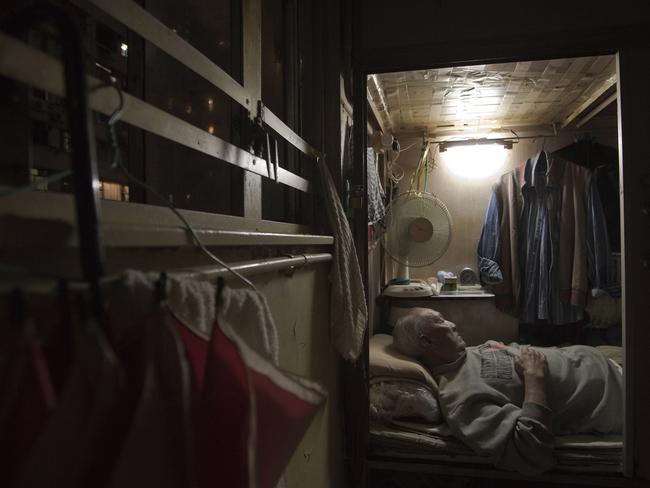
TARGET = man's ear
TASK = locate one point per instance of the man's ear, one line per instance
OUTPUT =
(425, 341)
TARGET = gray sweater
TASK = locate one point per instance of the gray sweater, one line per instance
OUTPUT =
(481, 398)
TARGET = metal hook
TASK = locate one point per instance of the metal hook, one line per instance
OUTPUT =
(269, 159)
(277, 159)
(220, 285)
(160, 292)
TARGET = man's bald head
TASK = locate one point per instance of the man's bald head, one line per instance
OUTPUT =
(424, 334)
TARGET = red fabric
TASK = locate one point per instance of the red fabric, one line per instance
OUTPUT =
(197, 351)
(282, 419)
(159, 432)
(32, 404)
(223, 417)
(223, 423)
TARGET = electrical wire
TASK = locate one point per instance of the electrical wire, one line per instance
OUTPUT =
(408, 147)
(421, 169)
(118, 164)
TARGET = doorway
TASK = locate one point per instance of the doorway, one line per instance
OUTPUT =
(594, 112)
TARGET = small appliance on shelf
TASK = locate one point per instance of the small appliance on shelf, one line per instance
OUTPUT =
(448, 280)
(418, 232)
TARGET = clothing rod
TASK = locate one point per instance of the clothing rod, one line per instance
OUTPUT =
(47, 284)
(254, 267)
(513, 139)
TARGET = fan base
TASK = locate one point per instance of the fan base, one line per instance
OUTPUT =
(416, 288)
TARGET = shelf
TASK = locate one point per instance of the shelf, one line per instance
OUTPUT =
(445, 296)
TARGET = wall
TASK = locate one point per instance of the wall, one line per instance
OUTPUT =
(434, 33)
(466, 199)
(443, 27)
(303, 328)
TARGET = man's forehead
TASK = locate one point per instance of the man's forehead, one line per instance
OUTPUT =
(428, 312)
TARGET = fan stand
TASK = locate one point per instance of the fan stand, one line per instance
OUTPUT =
(403, 286)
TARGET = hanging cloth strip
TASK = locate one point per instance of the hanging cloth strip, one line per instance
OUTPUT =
(251, 415)
(376, 210)
(348, 311)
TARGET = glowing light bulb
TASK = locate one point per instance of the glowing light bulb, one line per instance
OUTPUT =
(474, 162)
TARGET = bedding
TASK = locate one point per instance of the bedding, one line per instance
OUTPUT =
(408, 440)
(386, 361)
(399, 399)
(398, 436)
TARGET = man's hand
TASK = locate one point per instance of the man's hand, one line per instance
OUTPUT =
(531, 365)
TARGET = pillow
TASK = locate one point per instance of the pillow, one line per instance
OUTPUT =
(615, 353)
(401, 399)
(386, 361)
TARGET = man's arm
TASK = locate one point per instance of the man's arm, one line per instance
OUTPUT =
(531, 366)
(516, 437)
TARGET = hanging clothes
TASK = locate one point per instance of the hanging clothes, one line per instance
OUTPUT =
(149, 399)
(69, 444)
(376, 210)
(544, 241)
(251, 415)
(161, 431)
(603, 160)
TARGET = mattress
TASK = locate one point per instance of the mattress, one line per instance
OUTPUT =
(409, 440)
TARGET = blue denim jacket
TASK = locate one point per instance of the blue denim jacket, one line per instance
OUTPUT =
(538, 244)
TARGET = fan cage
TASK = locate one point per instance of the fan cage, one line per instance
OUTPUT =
(399, 212)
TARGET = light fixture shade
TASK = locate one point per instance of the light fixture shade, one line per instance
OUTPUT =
(475, 162)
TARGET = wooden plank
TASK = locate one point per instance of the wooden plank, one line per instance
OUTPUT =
(634, 70)
(252, 45)
(601, 90)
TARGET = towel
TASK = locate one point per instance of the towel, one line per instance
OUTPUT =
(247, 312)
(348, 312)
(193, 303)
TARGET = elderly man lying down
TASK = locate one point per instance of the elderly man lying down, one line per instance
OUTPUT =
(508, 402)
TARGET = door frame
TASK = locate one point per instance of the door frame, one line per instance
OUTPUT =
(633, 66)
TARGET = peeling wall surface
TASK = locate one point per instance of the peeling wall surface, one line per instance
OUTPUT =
(300, 308)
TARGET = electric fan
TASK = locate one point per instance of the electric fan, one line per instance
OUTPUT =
(418, 232)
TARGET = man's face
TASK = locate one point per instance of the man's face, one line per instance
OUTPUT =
(440, 336)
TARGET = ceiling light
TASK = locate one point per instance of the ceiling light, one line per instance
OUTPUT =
(474, 161)
(506, 143)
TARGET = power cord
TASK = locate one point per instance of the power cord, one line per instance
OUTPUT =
(118, 164)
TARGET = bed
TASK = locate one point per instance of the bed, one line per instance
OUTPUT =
(405, 429)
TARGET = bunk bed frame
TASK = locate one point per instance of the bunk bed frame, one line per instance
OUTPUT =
(367, 469)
